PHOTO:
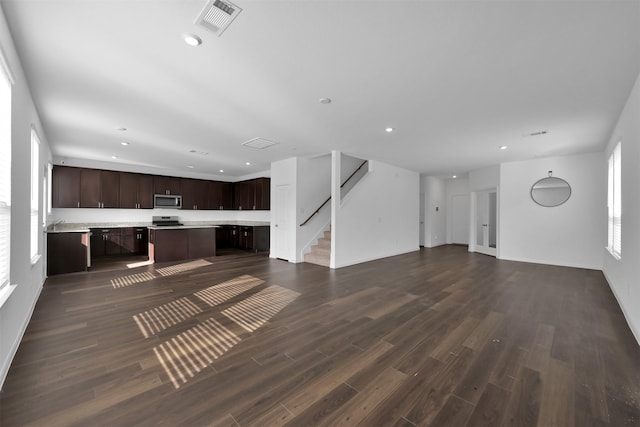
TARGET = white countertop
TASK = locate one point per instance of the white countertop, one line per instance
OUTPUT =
(84, 227)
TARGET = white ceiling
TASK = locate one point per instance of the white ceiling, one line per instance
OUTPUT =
(457, 79)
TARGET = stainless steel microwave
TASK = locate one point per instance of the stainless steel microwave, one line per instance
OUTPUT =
(167, 201)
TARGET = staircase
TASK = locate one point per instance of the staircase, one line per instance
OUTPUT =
(321, 252)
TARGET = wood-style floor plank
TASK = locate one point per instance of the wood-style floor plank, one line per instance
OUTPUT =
(439, 337)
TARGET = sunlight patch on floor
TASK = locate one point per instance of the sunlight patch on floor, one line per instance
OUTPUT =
(158, 319)
(132, 279)
(224, 291)
(256, 310)
(180, 268)
(183, 356)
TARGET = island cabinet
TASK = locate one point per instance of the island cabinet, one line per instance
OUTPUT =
(67, 252)
(220, 195)
(176, 244)
(166, 185)
(136, 191)
(195, 194)
(99, 189)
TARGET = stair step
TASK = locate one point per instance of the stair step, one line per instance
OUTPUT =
(317, 259)
(323, 243)
(321, 250)
(327, 235)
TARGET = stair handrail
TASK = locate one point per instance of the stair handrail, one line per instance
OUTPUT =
(329, 198)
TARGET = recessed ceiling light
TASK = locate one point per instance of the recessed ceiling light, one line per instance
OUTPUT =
(190, 166)
(124, 143)
(248, 163)
(114, 157)
(455, 176)
(192, 39)
(325, 100)
(389, 129)
(221, 171)
(503, 147)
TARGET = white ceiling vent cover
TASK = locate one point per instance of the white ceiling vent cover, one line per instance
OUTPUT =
(259, 143)
(217, 15)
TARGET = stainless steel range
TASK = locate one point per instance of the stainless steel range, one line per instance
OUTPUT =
(166, 221)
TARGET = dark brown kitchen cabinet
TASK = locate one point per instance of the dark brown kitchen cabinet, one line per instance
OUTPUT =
(166, 185)
(136, 191)
(262, 193)
(254, 194)
(65, 187)
(180, 244)
(106, 242)
(195, 194)
(99, 189)
(66, 252)
(135, 241)
(220, 195)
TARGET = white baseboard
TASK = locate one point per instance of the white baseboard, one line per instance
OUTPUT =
(552, 262)
(367, 259)
(634, 331)
(4, 370)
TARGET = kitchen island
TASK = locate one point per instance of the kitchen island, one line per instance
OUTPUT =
(181, 242)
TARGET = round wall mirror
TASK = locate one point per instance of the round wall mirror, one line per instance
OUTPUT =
(550, 191)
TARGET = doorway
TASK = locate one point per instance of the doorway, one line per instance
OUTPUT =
(484, 232)
(282, 223)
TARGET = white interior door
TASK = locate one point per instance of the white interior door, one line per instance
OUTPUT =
(486, 222)
(282, 223)
(460, 219)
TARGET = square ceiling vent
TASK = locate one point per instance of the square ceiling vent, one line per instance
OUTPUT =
(259, 143)
(217, 15)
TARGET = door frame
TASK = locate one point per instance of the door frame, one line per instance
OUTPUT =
(473, 245)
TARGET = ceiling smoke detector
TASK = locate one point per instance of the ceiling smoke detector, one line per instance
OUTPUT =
(217, 15)
(259, 143)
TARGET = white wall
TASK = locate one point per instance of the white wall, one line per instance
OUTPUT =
(623, 274)
(571, 234)
(16, 311)
(283, 216)
(435, 215)
(379, 218)
(484, 179)
(313, 188)
(458, 221)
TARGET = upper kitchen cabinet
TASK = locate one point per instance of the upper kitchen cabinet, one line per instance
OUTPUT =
(65, 187)
(136, 191)
(244, 195)
(254, 194)
(195, 194)
(99, 189)
(262, 193)
(220, 195)
(166, 185)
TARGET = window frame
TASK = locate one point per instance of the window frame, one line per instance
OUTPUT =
(614, 202)
(34, 211)
(7, 77)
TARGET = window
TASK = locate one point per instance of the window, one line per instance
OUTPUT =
(35, 195)
(5, 174)
(614, 242)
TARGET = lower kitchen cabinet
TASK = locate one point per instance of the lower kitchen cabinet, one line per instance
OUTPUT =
(135, 241)
(181, 244)
(248, 238)
(106, 242)
(67, 252)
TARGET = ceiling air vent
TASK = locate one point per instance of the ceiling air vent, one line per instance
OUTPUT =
(217, 15)
(259, 143)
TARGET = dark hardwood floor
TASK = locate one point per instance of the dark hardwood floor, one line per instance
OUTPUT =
(439, 337)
